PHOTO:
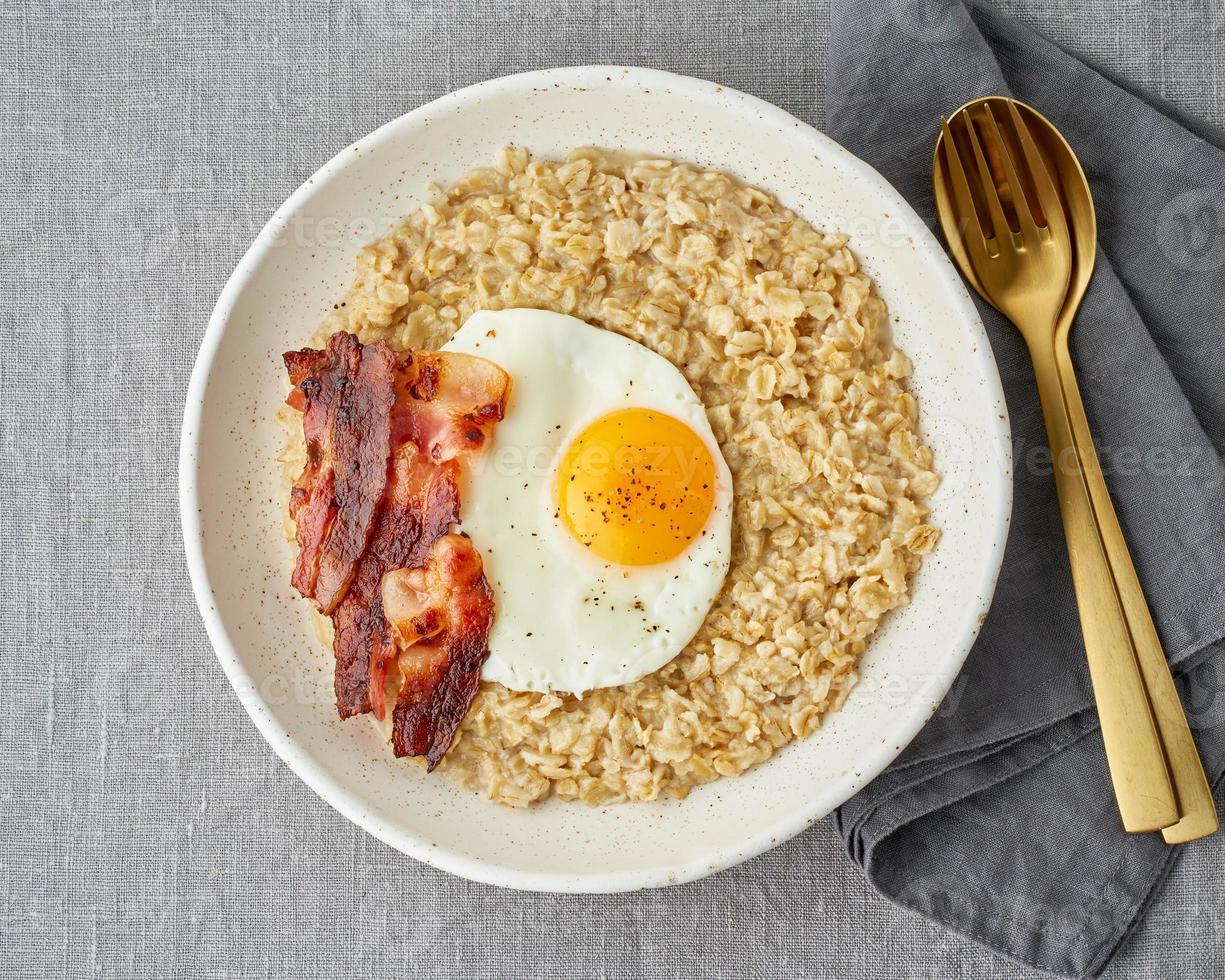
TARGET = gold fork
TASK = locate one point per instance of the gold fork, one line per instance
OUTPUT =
(1022, 263)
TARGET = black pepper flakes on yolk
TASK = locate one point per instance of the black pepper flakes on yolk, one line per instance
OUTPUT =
(636, 487)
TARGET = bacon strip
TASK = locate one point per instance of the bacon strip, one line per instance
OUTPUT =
(440, 617)
(447, 403)
(312, 501)
(421, 504)
(380, 492)
(346, 393)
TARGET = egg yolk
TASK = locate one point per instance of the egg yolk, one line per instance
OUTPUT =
(636, 487)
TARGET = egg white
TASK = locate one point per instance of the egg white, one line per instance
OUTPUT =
(567, 620)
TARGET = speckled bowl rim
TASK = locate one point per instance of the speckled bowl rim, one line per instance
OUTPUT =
(316, 776)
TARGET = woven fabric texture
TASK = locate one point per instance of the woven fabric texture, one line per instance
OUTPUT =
(145, 827)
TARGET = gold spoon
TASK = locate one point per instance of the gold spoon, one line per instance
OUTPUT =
(1194, 797)
(1021, 257)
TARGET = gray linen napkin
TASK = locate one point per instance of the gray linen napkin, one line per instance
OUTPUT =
(998, 821)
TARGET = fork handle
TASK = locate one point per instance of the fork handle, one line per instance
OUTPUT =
(1194, 796)
(1133, 749)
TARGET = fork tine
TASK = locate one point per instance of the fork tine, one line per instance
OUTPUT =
(971, 227)
(987, 184)
(1040, 176)
(1025, 215)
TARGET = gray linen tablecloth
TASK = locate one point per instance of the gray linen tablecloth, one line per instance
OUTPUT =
(146, 827)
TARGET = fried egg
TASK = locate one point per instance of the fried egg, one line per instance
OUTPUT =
(602, 508)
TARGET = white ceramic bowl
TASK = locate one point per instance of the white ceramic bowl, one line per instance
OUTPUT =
(232, 512)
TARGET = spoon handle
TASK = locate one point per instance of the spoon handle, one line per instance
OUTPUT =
(1195, 804)
(1134, 752)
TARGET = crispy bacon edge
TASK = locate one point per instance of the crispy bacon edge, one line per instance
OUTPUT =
(346, 393)
(439, 617)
